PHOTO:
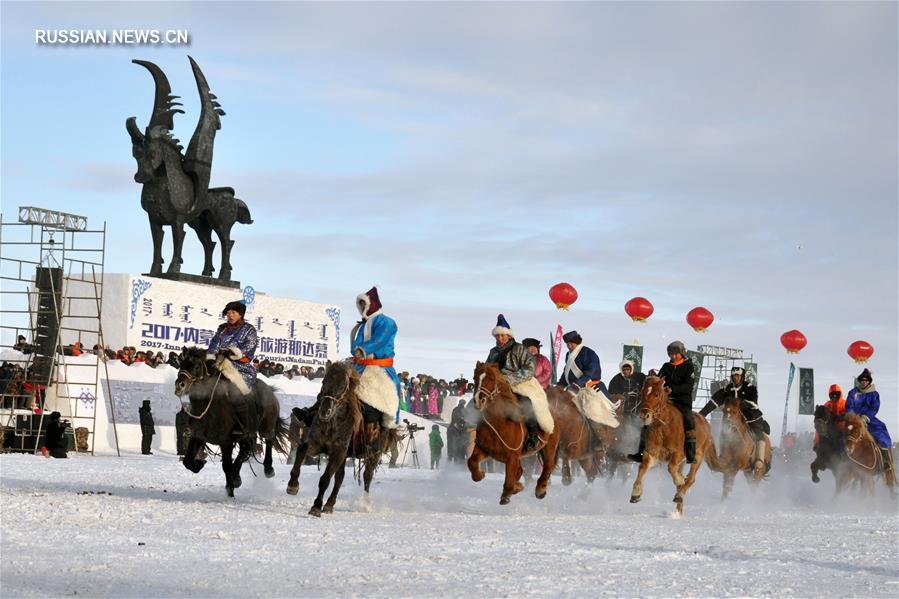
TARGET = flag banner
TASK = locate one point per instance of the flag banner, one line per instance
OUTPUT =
(557, 343)
(552, 361)
(783, 429)
(697, 358)
(634, 353)
(806, 391)
(752, 373)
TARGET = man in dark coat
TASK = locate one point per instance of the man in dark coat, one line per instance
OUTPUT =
(55, 440)
(679, 377)
(629, 384)
(749, 407)
(147, 429)
(582, 367)
(457, 431)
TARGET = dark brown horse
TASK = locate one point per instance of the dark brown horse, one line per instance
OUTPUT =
(501, 433)
(576, 439)
(665, 441)
(737, 449)
(213, 419)
(828, 444)
(864, 461)
(339, 430)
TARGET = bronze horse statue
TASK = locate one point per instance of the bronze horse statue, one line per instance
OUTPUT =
(213, 419)
(176, 186)
(338, 427)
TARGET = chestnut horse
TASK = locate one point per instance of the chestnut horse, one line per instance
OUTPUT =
(665, 441)
(576, 439)
(864, 460)
(737, 449)
(501, 433)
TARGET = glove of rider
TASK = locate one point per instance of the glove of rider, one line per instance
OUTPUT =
(866, 419)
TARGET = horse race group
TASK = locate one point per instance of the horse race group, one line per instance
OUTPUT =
(516, 414)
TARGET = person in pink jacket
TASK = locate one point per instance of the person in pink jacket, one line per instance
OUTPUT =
(542, 366)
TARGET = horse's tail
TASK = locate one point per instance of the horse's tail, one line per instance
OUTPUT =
(281, 440)
(711, 457)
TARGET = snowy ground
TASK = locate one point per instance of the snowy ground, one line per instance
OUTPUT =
(143, 526)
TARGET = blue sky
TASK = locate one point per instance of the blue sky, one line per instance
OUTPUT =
(465, 157)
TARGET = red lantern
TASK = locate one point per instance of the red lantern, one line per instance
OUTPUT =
(794, 341)
(639, 309)
(562, 295)
(700, 319)
(860, 351)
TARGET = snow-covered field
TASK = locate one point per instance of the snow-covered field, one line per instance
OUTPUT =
(143, 526)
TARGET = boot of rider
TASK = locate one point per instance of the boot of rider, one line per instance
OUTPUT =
(690, 447)
(533, 438)
(597, 433)
(889, 475)
(242, 416)
(388, 421)
(638, 457)
(760, 451)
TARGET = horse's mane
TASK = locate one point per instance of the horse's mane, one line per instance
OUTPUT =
(649, 388)
(353, 400)
(505, 389)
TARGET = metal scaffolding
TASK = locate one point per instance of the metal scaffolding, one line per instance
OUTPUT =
(51, 298)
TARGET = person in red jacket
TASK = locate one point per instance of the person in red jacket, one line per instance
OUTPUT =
(542, 366)
(836, 405)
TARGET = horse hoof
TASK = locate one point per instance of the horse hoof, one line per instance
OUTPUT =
(504, 500)
(540, 493)
(678, 499)
(269, 473)
(815, 478)
(293, 489)
(566, 480)
(236, 482)
(635, 499)
(230, 491)
(315, 512)
(328, 509)
(477, 476)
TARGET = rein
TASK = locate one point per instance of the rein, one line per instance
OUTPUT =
(335, 400)
(855, 440)
(480, 404)
(190, 378)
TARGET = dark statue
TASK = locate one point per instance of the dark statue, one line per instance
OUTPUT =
(176, 185)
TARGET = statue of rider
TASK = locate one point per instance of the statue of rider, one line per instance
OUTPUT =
(236, 340)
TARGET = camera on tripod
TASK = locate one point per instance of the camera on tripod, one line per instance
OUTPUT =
(412, 427)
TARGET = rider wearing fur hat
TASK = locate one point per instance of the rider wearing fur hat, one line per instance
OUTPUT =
(372, 342)
(864, 400)
(629, 384)
(679, 377)
(236, 340)
(749, 407)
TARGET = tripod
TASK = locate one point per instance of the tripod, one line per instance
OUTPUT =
(411, 443)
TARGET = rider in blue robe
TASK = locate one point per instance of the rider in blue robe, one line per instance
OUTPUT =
(238, 338)
(372, 343)
(864, 400)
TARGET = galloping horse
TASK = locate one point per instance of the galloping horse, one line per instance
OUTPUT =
(737, 451)
(864, 460)
(212, 418)
(665, 441)
(576, 440)
(501, 433)
(828, 453)
(340, 430)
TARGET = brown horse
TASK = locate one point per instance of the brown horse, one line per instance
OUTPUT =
(501, 433)
(864, 460)
(665, 441)
(738, 449)
(576, 439)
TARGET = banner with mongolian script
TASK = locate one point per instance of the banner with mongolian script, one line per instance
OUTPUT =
(634, 353)
(806, 391)
(166, 315)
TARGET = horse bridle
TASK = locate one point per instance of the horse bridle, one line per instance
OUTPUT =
(334, 400)
(191, 379)
(479, 401)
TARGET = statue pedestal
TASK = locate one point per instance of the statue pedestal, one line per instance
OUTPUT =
(186, 278)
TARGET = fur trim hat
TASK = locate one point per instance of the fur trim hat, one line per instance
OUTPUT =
(237, 306)
(677, 347)
(738, 370)
(866, 374)
(502, 327)
(572, 337)
(368, 303)
(624, 363)
(531, 342)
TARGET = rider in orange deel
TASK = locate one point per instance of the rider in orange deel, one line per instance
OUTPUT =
(836, 405)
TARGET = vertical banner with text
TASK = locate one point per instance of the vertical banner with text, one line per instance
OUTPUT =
(557, 349)
(697, 358)
(634, 353)
(783, 430)
(806, 391)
